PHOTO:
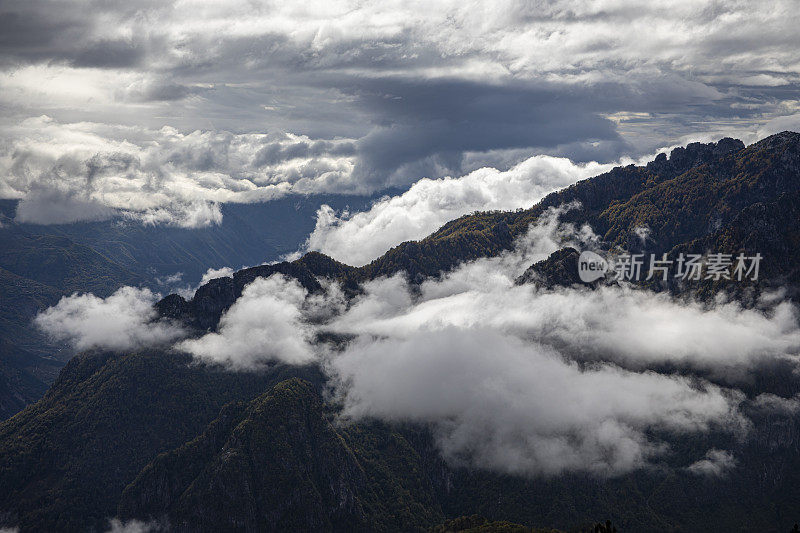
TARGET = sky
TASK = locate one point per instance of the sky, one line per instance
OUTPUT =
(160, 111)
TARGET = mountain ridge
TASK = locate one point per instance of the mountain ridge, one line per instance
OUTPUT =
(150, 435)
(605, 204)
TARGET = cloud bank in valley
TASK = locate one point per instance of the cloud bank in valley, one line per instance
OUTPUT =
(500, 403)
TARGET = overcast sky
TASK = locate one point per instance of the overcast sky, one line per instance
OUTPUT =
(163, 108)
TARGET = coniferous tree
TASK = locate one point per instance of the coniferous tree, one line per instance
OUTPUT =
(605, 528)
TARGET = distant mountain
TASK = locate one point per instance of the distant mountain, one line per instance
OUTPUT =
(148, 436)
(249, 234)
(35, 271)
(24, 377)
(41, 263)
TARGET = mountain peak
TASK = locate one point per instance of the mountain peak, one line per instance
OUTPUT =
(776, 140)
(693, 154)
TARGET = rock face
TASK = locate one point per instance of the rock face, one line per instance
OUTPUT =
(682, 159)
(215, 297)
(558, 270)
(276, 465)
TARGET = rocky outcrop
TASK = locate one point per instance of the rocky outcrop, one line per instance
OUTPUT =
(558, 270)
(683, 159)
(212, 299)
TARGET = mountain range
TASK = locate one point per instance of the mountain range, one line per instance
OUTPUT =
(41, 263)
(149, 435)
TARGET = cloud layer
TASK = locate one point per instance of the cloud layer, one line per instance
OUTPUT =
(161, 110)
(89, 171)
(512, 378)
(499, 403)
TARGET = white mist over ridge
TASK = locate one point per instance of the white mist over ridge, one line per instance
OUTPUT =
(511, 377)
(263, 325)
(358, 238)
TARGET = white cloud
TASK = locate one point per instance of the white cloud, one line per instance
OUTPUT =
(779, 124)
(214, 273)
(361, 237)
(123, 321)
(264, 325)
(474, 40)
(716, 463)
(499, 403)
(133, 526)
(524, 380)
(89, 171)
(55, 207)
(170, 280)
(772, 403)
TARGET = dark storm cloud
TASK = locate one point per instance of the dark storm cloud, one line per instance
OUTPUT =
(39, 31)
(428, 124)
(277, 152)
(109, 54)
(28, 33)
(165, 92)
(445, 118)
